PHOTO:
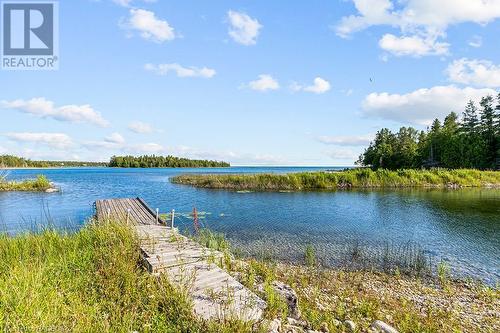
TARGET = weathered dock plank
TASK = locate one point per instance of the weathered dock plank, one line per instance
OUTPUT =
(215, 293)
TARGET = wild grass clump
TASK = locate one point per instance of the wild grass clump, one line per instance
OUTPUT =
(40, 183)
(354, 178)
(88, 281)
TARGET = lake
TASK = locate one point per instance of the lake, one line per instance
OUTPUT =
(461, 227)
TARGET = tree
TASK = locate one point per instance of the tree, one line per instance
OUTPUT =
(489, 130)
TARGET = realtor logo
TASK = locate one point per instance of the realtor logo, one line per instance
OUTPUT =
(29, 35)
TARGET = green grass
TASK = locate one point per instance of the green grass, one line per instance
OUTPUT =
(89, 281)
(40, 183)
(355, 178)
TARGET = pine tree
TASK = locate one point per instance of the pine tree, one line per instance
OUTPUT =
(488, 130)
(470, 120)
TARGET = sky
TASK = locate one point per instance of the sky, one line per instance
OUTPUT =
(249, 82)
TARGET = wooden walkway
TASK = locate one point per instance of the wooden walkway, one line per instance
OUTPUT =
(215, 293)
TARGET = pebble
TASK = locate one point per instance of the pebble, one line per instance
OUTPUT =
(350, 325)
(380, 326)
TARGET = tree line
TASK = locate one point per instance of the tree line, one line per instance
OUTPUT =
(471, 141)
(11, 161)
(153, 161)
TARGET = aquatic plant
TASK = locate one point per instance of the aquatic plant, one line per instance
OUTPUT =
(40, 183)
(354, 178)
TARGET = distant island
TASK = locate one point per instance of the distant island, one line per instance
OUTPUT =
(146, 161)
(153, 161)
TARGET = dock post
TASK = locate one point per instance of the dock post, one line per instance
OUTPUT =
(157, 215)
(128, 214)
(172, 220)
(109, 213)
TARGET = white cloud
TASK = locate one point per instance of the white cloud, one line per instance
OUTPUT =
(116, 138)
(343, 154)
(163, 69)
(423, 20)
(44, 108)
(140, 127)
(54, 140)
(319, 86)
(481, 73)
(357, 140)
(145, 148)
(421, 106)
(127, 3)
(265, 82)
(476, 41)
(411, 15)
(149, 26)
(243, 29)
(412, 45)
(116, 142)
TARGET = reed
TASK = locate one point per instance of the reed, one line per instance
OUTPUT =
(40, 183)
(353, 178)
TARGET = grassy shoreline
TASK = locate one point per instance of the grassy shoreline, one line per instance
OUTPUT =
(91, 280)
(39, 184)
(355, 178)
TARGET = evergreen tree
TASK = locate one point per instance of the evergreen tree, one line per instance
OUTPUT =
(489, 130)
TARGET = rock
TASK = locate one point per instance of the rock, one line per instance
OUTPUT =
(290, 296)
(336, 323)
(380, 326)
(296, 322)
(51, 190)
(292, 329)
(350, 326)
(324, 328)
(274, 326)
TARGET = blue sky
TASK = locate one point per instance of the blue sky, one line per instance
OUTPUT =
(250, 82)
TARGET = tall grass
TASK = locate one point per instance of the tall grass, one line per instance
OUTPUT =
(88, 281)
(355, 178)
(40, 183)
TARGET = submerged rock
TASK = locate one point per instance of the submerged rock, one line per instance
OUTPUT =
(52, 190)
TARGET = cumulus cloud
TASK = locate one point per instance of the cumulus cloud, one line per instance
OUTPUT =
(421, 22)
(421, 106)
(180, 71)
(319, 86)
(265, 82)
(243, 29)
(116, 138)
(149, 26)
(54, 140)
(412, 45)
(411, 15)
(481, 73)
(353, 140)
(44, 108)
(140, 127)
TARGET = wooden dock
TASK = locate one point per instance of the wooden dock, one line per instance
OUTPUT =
(215, 293)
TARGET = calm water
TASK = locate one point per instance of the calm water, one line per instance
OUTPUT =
(461, 227)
